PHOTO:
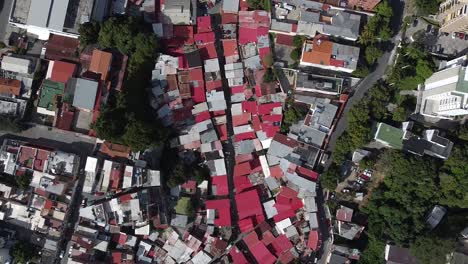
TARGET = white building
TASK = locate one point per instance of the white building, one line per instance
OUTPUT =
(445, 94)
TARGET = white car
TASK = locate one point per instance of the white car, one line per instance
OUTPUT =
(454, 35)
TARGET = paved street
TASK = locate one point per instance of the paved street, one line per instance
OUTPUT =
(51, 137)
(5, 7)
(228, 148)
(368, 82)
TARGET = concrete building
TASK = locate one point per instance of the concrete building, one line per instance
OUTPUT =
(43, 17)
(453, 16)
(445, 94)
(177, 12)
(325, 54)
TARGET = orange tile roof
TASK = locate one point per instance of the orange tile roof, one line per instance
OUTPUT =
(9, 86)
(100, 63)
(320, 53)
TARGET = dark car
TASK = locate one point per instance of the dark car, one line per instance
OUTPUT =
(415, 22)
(428, 29)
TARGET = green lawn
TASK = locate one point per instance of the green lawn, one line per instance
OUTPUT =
(184, 206)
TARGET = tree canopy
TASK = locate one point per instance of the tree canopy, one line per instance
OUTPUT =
(454, 180)
(89, 33)
(127, 119)
(432, 249)
(427, 7)
(398, 207)
(22, 252)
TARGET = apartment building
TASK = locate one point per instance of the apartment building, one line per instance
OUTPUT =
(445, 94)
(453, 16)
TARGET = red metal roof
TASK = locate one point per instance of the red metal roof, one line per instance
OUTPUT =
(241, 119)
(202, 116)
(204, 38)
(116, 257)
(242, 183)
(223, 207)
(245, 136)
(307, 173)
(191, 185)
(196, 74)
(198, 93)
(247, 35)
(184, 33)
(313, 240)
(221, 183)
(237, 89)
(230, 47)
(237, 256)
(214, 85)
(222, 132)
(283, 39)
(229, 18)
(281, 244)
(250, 106)
(120, 238)
(204, 24)
(272, 118)
(246, 225)
(248, 204)
(276, 172)
(208, 51)
(257, 125)
(242, 169)
(262, 255)
(62, 71)
(243, 158)
(265, 109)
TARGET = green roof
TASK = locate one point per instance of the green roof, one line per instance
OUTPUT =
(462, 85)
(391, 135)
(49, 91)
(183, 206)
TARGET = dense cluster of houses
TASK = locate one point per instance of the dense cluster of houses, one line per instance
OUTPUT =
(52, 174)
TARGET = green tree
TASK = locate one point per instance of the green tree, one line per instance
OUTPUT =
(110, 124)
(454, 180)
(140, 135)
(366, 163)
(396, 210)
(343, 147)
(372, 54)
(268, 60)
(400, 114)
(296, 54)
(463, 132)
(358, 124)
(22, 252)
(427, 7)
(178, 175)
(329, 178)
(298, 41)
(269, 75)
(201, 173)
(423, 69)
(384, 10)
(24, 180)
(432, 249)
(374, 252)
(89, 33)
(361, 71)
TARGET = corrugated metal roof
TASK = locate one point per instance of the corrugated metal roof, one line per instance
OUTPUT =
(85, 93)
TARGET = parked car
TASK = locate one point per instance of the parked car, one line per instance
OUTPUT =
(454, 34)
(360, 181)
(461, 35)
(415, 22)
(466, 36)
(428, 28)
